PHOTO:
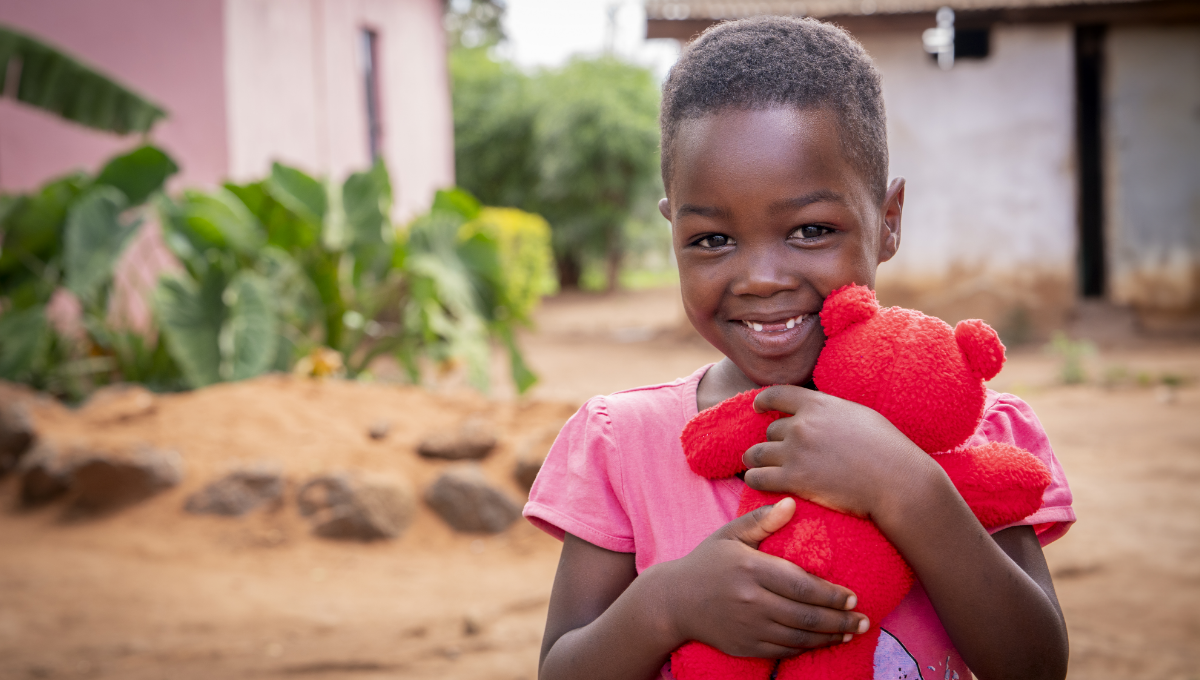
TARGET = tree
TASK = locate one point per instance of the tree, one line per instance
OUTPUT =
(475, 23)
(578, 145)
(596, 144)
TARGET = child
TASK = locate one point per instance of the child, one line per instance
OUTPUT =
(774, 157)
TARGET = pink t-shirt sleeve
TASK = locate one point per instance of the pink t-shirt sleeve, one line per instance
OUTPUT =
(577, 490)
(1008, 419)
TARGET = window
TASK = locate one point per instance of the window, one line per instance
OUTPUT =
(969, 43)
(369, 40)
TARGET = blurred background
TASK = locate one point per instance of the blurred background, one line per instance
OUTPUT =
(295, 295)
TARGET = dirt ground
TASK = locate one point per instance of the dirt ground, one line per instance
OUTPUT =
(154, 593)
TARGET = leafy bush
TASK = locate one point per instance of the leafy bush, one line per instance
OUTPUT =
(272, 271)
(69, 234)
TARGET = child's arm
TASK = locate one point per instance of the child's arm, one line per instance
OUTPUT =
(994, 596)
(606, 621)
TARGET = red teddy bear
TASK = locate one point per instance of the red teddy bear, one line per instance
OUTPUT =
(927, 379)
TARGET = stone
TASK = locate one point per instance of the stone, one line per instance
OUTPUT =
(351, 506)
(102, 483)
(17, 435)
(379, 429)
(525, 471)
(238, 492)
(467, 502)
(44, 475)
(474, 440)
(118, 403)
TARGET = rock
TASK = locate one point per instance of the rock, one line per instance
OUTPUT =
(45, 474)
(237, 493)
(349, 506)
(525, 471)
(473, 441)
(468, 503)
(102, 482)
(118, 403)
(379, 429)
(17, 435)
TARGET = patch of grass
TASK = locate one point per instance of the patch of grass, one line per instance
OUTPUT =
(1072, 353)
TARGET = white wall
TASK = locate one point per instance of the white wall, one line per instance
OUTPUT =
(296, 92)
(1152, 158)
(987, 149)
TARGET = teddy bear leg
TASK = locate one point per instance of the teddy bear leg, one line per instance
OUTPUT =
(854, 660)
(698, 661)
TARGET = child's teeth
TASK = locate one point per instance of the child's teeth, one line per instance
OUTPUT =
(791, 323)
(757, 326)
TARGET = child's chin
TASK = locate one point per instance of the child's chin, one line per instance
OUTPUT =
(773, 373)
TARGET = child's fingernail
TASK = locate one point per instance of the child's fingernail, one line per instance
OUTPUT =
(847, 637)
(851, 602)
(864, 625)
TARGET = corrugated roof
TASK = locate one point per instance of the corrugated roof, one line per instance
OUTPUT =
(735, 9)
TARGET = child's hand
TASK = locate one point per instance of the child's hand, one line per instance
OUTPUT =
(747, 603)
(833, 452)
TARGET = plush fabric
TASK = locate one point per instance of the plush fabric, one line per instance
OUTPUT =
(927, 379)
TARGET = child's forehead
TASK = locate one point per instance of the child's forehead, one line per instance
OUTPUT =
(778, 144)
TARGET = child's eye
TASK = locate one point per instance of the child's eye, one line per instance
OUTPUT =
(811, 231)
(714, 241)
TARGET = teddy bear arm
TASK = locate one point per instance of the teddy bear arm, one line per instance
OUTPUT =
(1001, 483)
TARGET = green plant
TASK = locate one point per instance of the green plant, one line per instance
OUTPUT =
(69, 234)
(1072, 353)
(54, 81)
(277, 268)
(578, 145)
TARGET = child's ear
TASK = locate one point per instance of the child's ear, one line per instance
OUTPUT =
(982, 347)
(664, 207)
(889, 229)
(847, 306)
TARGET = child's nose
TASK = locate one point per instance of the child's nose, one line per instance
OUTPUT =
(764, 276)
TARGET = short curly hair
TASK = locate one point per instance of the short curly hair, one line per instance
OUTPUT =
(768, 62)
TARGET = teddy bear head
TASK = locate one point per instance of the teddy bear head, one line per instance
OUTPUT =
(918, 372)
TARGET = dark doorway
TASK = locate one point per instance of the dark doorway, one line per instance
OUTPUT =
(1089, 77)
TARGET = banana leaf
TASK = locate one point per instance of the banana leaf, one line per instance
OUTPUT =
(52, 80)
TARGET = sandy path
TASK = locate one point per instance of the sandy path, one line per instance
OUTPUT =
(154, 593)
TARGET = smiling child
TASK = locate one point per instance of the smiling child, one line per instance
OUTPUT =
(775, 163)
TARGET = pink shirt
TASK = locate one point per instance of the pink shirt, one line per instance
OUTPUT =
(616, 477)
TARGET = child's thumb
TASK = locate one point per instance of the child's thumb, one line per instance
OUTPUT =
(753, 528)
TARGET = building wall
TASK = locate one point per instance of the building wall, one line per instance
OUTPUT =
(171, 52)
(987, 149)
(296, 93)
(1152, 159)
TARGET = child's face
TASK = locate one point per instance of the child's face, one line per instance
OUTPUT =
(769, 217)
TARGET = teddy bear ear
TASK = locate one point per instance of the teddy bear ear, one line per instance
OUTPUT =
(982, 347)
(847, 306)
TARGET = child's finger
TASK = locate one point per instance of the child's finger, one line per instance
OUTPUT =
(799, 587)
(754, 527)
(798, 639)
(820, 620)
(769, 479)
(766, 454)
(785, 398)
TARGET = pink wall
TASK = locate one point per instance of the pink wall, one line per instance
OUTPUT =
(170, 51)
(246, 83)
(296, 94)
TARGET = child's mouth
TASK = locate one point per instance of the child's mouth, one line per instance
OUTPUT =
(774, 326)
